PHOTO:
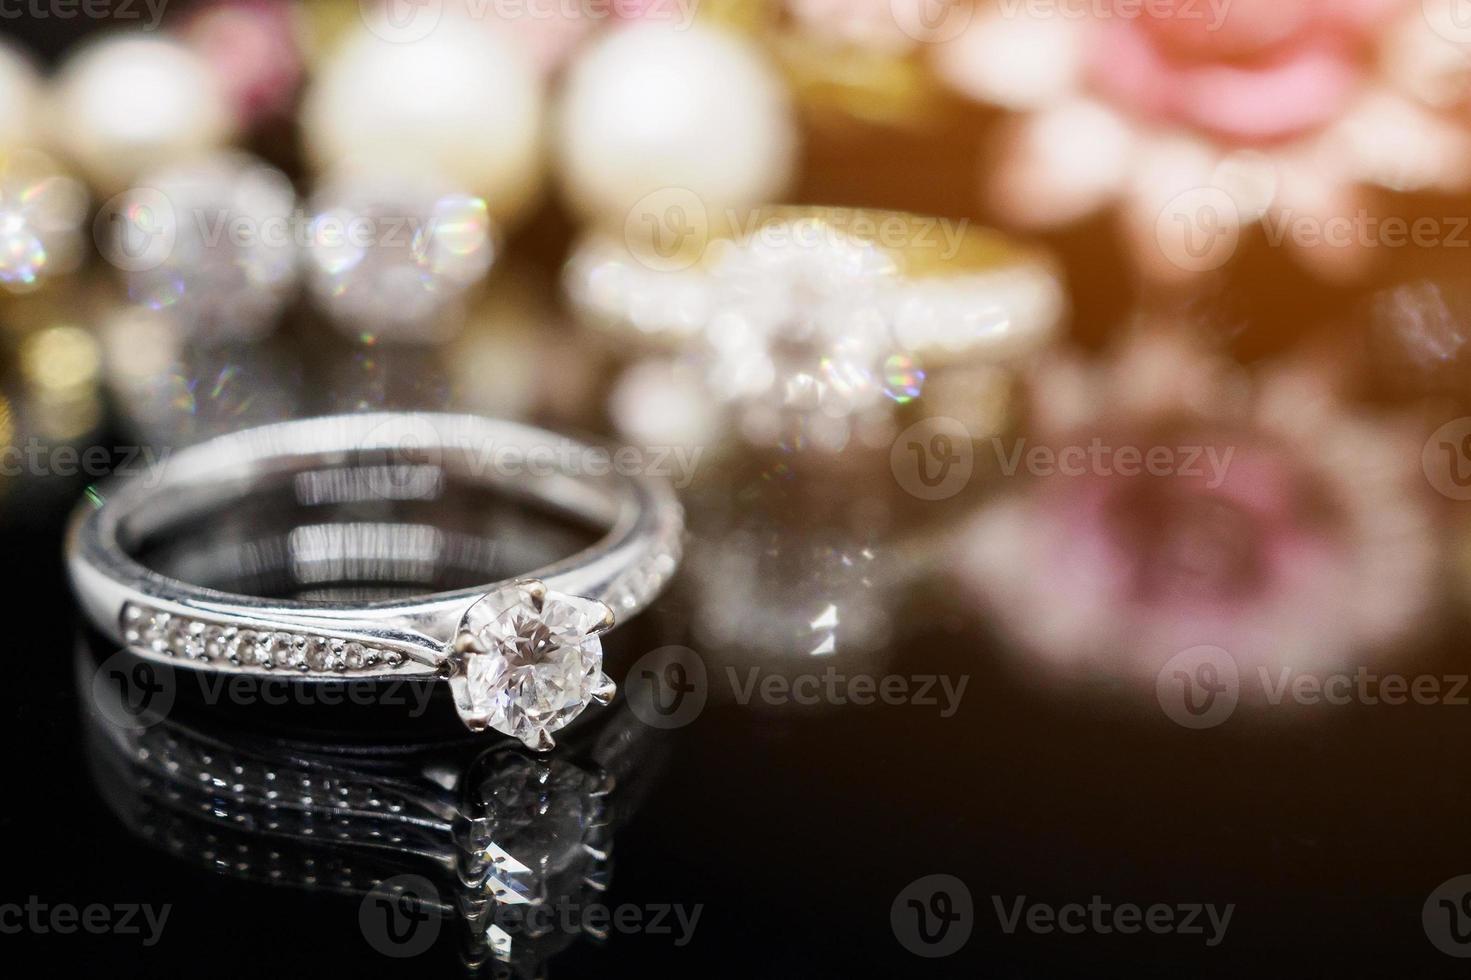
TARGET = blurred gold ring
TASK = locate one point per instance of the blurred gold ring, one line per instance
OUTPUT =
(957, 292)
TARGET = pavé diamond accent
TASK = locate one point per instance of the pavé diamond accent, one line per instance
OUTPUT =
(528, 660)
(182, 637)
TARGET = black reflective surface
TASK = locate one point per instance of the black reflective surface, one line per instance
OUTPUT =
(792, 828)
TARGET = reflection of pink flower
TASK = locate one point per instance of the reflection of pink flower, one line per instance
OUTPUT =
(1284, 106)
(1272, 523)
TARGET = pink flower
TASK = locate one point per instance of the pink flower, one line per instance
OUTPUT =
(1271, 522)
(1198, 121)
(1272, 69)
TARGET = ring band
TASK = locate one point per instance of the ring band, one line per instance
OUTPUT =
(522, 655)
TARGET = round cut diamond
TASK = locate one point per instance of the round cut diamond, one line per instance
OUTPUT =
(530, 661)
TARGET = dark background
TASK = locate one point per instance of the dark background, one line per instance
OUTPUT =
(796, 829)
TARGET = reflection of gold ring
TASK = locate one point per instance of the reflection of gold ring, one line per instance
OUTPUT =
(951, 291)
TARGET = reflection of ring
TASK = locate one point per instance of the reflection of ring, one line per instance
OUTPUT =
(497, 834)
(949, 290)
(522, 655)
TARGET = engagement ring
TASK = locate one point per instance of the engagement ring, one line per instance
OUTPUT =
(363, 536)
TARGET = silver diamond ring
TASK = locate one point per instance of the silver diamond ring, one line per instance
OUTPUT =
(370, 523)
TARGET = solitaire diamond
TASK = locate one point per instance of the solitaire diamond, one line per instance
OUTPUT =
(528, 660)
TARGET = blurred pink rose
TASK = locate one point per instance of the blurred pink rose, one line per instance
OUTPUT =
(1273, 521)
(1258, 70)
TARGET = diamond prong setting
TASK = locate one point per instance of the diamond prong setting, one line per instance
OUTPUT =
(527, 660)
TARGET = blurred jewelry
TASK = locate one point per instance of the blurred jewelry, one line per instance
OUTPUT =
(211, 241)
(810, 325)
(433, 90)
(725, 134)
(390, 255)
(522, 656)
(42, 210)
(129, 102)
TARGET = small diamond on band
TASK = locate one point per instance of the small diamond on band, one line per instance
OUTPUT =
(160, 633)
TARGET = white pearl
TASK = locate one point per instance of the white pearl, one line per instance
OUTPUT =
(460, 101)
(128, 103)
(19, 90)
(650, 107)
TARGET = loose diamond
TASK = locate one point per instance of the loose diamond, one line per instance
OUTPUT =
(530, 661)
